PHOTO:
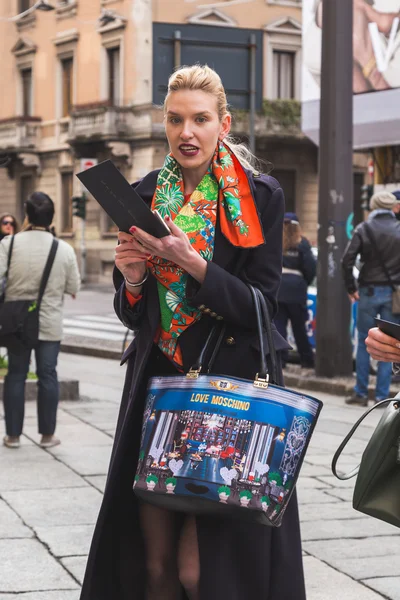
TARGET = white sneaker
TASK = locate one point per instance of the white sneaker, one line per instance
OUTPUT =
(11, 441)
(48, 441)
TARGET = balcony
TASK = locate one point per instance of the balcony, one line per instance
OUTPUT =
(19, 134)
(278, 119)
(100, 122)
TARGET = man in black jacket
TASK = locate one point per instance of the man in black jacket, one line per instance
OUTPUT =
(377, 241)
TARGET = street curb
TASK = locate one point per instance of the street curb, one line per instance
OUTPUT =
(69, 389)
(313, 383)
(90, 351)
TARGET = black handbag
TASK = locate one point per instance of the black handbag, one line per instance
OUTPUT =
(223, 445)
(377, 489)
(19, 319)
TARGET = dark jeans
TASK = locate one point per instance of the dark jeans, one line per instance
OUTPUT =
(373, 302)
(297, 315)
(48, 391)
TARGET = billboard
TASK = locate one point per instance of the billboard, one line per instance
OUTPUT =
(375, 67)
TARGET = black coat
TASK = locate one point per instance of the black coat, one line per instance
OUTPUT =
(386, 231)
(293, 289)
(240, 561)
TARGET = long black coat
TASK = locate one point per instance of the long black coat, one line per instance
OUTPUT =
(237, 561)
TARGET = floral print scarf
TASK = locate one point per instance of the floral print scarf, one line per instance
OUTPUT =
(224, 190)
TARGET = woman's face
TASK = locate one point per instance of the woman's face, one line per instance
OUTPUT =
(193, 128)
(7, 225)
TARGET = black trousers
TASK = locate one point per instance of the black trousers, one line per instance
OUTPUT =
(297, 315)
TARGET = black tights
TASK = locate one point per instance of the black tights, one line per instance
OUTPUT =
(172, 554)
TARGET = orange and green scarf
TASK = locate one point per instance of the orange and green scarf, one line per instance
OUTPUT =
(224, 190)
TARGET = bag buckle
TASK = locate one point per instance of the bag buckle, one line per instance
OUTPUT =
(261, 383)
(193, 373)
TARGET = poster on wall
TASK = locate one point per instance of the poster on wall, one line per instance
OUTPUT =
(375, 68)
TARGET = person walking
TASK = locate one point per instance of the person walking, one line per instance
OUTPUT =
(29, 256)
(298, 271)
(226, 231)
(377, 241)
(8, 225)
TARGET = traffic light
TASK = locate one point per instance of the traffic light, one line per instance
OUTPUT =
(367, 192)
(79, 206)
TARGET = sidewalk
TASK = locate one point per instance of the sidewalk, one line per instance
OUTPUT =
(49, 500)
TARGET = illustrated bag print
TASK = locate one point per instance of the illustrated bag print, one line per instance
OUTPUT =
(223, 445)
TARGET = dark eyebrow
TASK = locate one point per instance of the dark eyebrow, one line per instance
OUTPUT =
(204, 112)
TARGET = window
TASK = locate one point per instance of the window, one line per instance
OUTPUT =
(24, 5)
(67, 65)
(113, 60)
(287, 180)
(283, 65)
(26, 187)
(26, 80)
(66, 202)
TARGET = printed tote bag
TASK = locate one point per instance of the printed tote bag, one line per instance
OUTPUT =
(213, 444)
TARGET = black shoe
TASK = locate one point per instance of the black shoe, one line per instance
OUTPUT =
(357, 399)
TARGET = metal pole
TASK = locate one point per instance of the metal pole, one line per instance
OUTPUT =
(252, 98)
(334, 351)
(83, 250)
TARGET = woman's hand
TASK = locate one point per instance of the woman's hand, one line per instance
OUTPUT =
(175, 248)
(383, 347)
(130, 258)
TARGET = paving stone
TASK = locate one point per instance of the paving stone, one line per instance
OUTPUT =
(94, 414)
(54, 595)
(42, 475)
(78, 435)
(71, 506)
(28, 452)
(311, 470)
(324, 582)
(93, 460)
(76, 565)
(73, 540)
(343, 493)
(385, 585)
(11, 525)
(337, 510)
(375, 566)
(312, 483)
(26, 566)
(359, 528)
(310, 496)
(333, 482)
(99, 481)
(351, 548)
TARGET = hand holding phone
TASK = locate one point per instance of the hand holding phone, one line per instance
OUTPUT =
(392, 329)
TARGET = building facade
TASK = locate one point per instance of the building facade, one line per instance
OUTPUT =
(82, 82)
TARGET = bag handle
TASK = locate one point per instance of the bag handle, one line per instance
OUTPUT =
(348, 438)
(372, 239)
(10, 249)
(262, 317)
(46, 272)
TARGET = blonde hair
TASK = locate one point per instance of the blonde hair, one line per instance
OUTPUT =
(202, 77)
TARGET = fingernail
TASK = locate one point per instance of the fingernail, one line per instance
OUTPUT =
(148, 256)
(167, 218)
(132, 230)
(397, 345)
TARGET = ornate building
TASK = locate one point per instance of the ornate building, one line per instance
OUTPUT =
(80, 78)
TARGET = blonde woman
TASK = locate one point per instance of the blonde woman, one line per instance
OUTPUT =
(224, 218)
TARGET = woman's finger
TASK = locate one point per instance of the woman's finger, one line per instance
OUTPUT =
(124, 237)
(175, 230)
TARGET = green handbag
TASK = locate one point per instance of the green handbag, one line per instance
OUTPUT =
(377, 489)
